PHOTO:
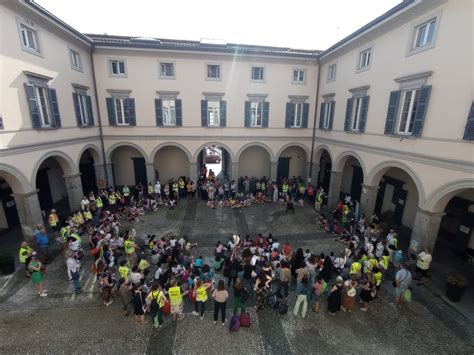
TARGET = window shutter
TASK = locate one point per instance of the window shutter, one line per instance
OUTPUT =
(132, 119)
(266, 114)
(30, 96)
(77, 110)
(392, 112)
(90, 112)
(179, 114)
(363, 113)
(223, 113)
(304, 122)
(111, 111)
(54, 108)
(421, 110)
(347, 121)
(469, 131)
(247, 114)
(203, 113)
(289, 112)
(321, 115)
(331, 117)
(159, 112)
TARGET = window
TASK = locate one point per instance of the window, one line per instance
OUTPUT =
(42, 100)
(167, 70)
(169, 112)
(332, 72)
(121, 111)
(355, 115)
(213, 109)
(364, 59)
(82, 110)
(29, 39)
(75, 59)
(299, 76)
(424, 34)
(327, 107)
(409, 103)
(117, 67)
(213, 71)
(1, 122)
(297, 116)
(256, 114)
(257, 74)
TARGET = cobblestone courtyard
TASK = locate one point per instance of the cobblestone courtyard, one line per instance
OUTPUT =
(64, 323)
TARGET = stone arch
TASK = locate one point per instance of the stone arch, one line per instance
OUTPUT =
(111, 149)
(373, 178)
(219, 144)
(170, 144)
(344, 156)
(65, 161)
(318, 151)
(15, 178)
(438, 200)
(258, 144)
(294, 144)
(95, 152)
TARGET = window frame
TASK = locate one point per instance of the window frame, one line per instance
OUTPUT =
(161, 76)
(122, 107)
(79, 67)
(329, 77)
(36, 37)
(414, 98)
(299, 69)
(217, 109)
(41, 112)
(119, 75)
(254, 117)
(355, 114)
(168, 109)
(296, 113)
(82, 98)
(359, 67)
(252, 79)
(207, 72)
(414, 28)
(327, 113)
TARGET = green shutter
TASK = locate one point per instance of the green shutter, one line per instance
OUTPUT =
(392, 112)
(32, 104)
(331, 117)
(321, 115)
(363, 113)
(223, 113)
(421, 110)
(247, 113)
(266, 114)
(179, 114)
(90, 112)
(54, 108)
(132, 120)
(304, 122)
(347, 121)
(111, 111)
(469, 131)
(159, 112)
(77, 110)
(203, 113)
(290, 111)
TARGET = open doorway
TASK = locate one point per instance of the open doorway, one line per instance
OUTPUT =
(214, 161)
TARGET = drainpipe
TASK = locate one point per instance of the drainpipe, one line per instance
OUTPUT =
(314, 123)
(101, 135)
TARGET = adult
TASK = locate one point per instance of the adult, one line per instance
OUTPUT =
(239, 301)
(139, 305)
(176, 300)
(334, 298)
(25, 254)
(200, 290)
(220, 296)
(156, 299)
(53, 221)
(42, 242)
(423, 262)
(285, 278)
(73, 268)
(349, 295)
(366, 295)
(302, 291)
(403, 279)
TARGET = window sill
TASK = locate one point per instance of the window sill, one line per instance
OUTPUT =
(361, 70)
(32, 51)
(414, 51)
(79, 69)
(167, 77)
(325, 129)
(122, 126)
(87, 126)
(214, 79)
(398, 135)
(354, 132)
(47, 128)
(298, 83)
(168, 126)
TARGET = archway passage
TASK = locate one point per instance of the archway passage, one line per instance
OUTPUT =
(170, 163)
(129, 167)
(352, 178)
(255, 162)
(215, 160)
(9, 218)
(87, 170)
(292, 163)
(325, 167)
(51, 185)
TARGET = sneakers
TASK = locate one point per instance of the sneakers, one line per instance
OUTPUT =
(43, 294)
(109, 303)
(215, 322)
(202, 317)
(363, 309)
(195, 313)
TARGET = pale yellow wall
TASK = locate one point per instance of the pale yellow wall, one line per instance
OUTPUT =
(171, 163)
(254, 162)
(123, 165)
(297, 161)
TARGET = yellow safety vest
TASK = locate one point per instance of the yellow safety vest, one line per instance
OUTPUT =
(87, 215)
(150, 189)
(112, 199)
(143, 264)
(64, 231)
(378, 278)
(126, 191)
(53, 219)
(384, 262)
(123, 271)
(319, 197)
(76, 237)
(174, 294)
(159, 298)
(285, 187)
(201, 294)
(129, 248)
(355, 267)
(98, 202)
(181, 184)
(24, 251)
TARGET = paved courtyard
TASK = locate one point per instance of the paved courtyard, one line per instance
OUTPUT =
(64, 323)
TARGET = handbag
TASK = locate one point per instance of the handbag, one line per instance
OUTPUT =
(351, 292)
(407, 295)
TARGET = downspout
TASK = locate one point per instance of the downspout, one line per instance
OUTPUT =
(101, 135)
(314, 123)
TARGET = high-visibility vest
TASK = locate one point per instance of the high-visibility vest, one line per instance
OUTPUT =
(319, 197)
(112, 199)
(129, 248)
(378, 278)
(126, 191)
(87, 215)
(98, 202)
(150, 189)
(158, 295)
(24, 252)
(355, 267)
(174, 294)
(143, 264)
(346, 209)
(263, 187)
(123, 271)
(384, 261)
(64, 233)
(76, 237)
(53, 219)
(181, 184)
(201, 294)
(285, 188)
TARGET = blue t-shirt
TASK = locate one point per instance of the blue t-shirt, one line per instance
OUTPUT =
(42, 239)
(198, 262)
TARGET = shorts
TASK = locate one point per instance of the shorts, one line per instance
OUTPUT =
(400, 290)
(177, 309)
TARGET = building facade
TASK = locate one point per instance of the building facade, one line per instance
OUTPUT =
(385, 115)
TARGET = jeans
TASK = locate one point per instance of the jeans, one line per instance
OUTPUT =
(75, 281)
(301, 299)
(200, 304)
(219, 306)
(284, 285)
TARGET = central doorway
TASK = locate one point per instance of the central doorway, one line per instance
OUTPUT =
(214, 160)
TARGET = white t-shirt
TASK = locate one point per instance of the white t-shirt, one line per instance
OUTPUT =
(424, 260)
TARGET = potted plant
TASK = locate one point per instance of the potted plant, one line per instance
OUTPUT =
(455, 287)
(7, 263)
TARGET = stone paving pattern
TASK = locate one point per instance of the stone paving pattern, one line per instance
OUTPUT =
(64, 323)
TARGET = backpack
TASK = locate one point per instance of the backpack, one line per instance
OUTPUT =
(234, 325)
(245, 320)
(282, 308)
